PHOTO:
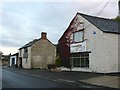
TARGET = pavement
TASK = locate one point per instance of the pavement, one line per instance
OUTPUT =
(104, 80)
(94, 80)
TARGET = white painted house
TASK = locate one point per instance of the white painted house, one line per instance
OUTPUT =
(13, 60)
(92, 44)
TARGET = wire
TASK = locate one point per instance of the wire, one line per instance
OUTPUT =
(95, 6)
(100, 11)
(103, 7)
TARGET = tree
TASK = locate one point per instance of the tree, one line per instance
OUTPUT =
(1, 54)
(117, 18)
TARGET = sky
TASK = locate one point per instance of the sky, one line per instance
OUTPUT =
(21, 22)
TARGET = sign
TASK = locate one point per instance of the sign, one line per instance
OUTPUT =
(78, 47)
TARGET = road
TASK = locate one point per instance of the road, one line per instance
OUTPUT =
(11, 79)
(18, 78)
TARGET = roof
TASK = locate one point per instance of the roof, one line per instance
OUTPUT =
(105, 25)
(30, 43)
(15, 54)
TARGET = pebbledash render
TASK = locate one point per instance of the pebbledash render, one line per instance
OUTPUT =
(37, 53)
(90, 44)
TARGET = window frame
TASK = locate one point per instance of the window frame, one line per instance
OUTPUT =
(26, 50)
(81, 57)
(74, 36)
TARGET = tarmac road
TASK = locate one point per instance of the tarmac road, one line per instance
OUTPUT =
(36, 79)
(19, 80)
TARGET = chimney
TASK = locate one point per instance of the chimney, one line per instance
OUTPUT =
(43, 35)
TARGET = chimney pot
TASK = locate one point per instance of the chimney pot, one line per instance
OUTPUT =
(44, 35)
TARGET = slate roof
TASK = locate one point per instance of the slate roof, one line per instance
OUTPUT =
(106, 25)
(30, 43)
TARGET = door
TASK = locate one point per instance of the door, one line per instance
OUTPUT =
(13, 61)
(20, 62)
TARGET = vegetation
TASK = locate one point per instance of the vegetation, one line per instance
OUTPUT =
(58, 61)
(1, 54)
(51, 66)
(117, 18)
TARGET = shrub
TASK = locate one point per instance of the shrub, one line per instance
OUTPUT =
(58, 61)
(117, 18)
(51, 66)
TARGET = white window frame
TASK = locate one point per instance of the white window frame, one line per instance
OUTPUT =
(75, 40)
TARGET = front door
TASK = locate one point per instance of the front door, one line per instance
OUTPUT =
(13, 61)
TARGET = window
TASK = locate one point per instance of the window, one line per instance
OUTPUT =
(20, 53)
(25, 50)
(78, 36)
(80, 60)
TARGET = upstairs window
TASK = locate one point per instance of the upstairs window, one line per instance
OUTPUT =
(25, 50)
(20, 53)
(78, 36)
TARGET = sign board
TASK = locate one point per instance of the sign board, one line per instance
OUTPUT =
(78, 47)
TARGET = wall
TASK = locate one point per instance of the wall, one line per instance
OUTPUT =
(28, 63)
(43, 52)
(111, 52)
(20, 55)
(25, 64)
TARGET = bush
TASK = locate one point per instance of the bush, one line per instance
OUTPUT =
(58, 61)
(117, 18)
(51, 66)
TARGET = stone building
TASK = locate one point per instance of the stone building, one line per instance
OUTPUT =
(37, 53)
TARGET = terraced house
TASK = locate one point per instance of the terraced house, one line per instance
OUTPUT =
(90, 44)
(37, 53)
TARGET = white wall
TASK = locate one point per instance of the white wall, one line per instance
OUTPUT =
(11, 60)
(28, 64)
(111, 52)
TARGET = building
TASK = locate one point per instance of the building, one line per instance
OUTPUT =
(5, 60)
(13, 60)
(37, 53)
(90, 44)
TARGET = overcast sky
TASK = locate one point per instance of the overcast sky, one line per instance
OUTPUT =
(22, 22)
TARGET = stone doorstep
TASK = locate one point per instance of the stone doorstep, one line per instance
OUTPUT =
(108, 81)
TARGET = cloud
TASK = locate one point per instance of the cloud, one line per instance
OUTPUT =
(23, 22)
(8, 50)
(55, 0)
